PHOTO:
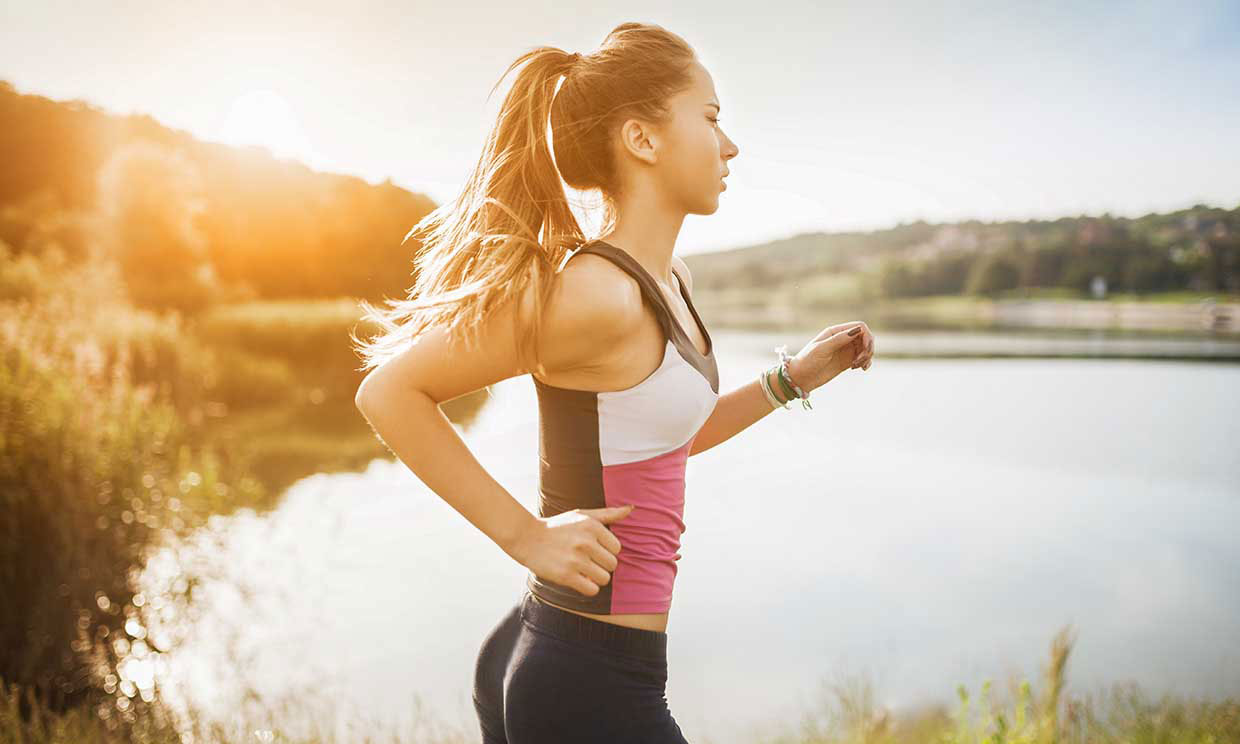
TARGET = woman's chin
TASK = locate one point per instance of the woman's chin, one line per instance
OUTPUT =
(710, 208)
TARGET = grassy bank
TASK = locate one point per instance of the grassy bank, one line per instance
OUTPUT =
(107, 451)
(121, 429)
(1027, 713)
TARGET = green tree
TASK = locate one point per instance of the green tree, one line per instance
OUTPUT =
(149, 199)
(992, 273)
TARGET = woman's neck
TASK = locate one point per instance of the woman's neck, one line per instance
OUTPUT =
(654, 255)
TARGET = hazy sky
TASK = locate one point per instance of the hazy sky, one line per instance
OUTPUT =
(848, 115)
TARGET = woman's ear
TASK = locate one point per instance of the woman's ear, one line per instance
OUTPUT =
(639, 140)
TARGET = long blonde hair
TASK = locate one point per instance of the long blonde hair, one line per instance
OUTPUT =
(511, 224)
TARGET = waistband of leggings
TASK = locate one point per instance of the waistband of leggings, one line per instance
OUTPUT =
(650, 645)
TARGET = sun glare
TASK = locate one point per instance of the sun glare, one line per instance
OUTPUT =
(265, 118)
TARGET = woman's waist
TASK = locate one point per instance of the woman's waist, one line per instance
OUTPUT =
(655, 621)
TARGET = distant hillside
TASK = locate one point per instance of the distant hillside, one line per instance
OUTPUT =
(1196, 249)
(186, 211)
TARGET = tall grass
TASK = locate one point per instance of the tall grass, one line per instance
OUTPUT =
(119, 428)
(848, 715)
(1122, 714)
(97, 464)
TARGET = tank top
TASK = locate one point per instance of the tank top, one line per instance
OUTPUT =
(602, 449)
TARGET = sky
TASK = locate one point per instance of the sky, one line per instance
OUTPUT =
(847, 115)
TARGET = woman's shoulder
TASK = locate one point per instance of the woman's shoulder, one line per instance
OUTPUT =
(593, 305)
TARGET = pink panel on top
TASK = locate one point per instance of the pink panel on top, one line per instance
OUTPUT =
(650, 535)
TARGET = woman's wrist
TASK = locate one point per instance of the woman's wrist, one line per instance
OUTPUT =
(512, 539)
(780, 385)
(798, 378)
(770, 379)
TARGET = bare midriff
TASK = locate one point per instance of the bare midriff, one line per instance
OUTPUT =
(644, 621)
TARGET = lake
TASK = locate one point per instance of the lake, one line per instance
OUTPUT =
(931, 522)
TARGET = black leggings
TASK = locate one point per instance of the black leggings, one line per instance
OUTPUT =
(548, 675)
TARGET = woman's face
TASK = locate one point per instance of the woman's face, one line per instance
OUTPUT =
(691, 152)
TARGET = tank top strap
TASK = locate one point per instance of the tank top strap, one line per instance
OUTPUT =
(684, 293)
(647, 283)
(672, 329)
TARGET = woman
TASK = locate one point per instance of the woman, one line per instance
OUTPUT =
(623, 367)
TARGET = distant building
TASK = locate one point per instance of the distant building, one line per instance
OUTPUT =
(1098, 287)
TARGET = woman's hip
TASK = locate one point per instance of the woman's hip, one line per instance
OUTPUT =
(571, 678)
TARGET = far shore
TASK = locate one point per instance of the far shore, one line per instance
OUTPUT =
(1166, 327)
(1178, 313)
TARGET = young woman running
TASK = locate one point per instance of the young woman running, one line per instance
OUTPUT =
(622, 365)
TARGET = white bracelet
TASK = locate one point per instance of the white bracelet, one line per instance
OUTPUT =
(766, 390)
(765, 393)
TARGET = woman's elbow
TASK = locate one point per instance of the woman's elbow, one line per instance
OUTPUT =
(367, 392)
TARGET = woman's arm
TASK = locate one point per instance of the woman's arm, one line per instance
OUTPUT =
(744, 406)
(400, 399)
(411, 424)
(835, 349)
(735, 412)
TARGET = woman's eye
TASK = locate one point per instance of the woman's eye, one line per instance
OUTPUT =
(715, 121)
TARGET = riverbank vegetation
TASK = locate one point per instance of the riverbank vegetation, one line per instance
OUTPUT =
(1041, 712)
(124, 427)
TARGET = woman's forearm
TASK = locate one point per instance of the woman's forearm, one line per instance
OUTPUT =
(734, 412)
(413, 426)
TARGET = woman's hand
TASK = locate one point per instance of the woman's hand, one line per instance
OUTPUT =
(866, 347)
(831, 352)
(573, 548)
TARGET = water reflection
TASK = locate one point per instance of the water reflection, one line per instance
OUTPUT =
(287, 443)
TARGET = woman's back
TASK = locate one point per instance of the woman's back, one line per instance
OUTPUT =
(628, 446)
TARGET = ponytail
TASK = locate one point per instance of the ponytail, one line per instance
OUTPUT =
(511, 227)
